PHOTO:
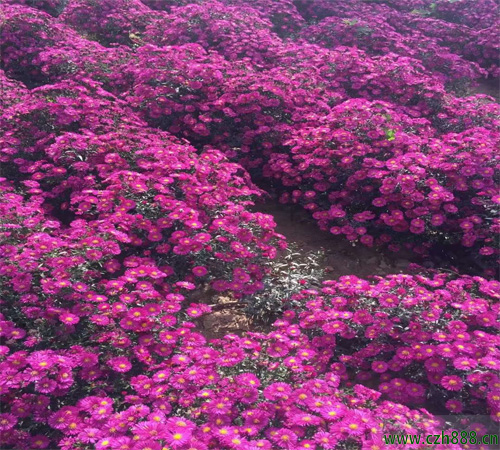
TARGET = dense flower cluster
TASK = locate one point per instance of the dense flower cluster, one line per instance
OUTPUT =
(413, 337)
(133, 137)
(373, 176)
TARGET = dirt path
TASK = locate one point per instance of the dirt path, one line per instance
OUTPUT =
(341, 257)
(489, 87)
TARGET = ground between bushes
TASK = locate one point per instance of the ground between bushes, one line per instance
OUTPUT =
(340, 257)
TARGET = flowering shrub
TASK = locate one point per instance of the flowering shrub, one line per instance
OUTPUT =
(198, 95)
(481, 16)
(25, 33)
(172, 86)
(12, 91)
(108, 21)
(283, 14)
(37, 49)
(52, 7)
(378, 37)
(151, 187)
(237, 33)
(395, 180)
(410, 336)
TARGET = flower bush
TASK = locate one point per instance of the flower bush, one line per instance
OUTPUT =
(378, 37)
(52, 7)
(237, 33)
(423, 192)
(12, 91)
(108, 21)
(38, 49)
(152, 188)
(427, 337)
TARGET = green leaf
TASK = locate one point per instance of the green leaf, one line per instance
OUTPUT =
(391, 135)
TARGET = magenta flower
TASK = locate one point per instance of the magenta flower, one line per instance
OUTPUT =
(69, 319)
(464, 363)
(454, 406)
(7, 421)
(199, 271)
(285, 438)
(120, 364)
(452, 383)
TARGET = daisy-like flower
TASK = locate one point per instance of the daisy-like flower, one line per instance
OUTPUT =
(7, 421)
(256, 418)
(104, 444)
(334, 327)
(39, 442)
(351, 424)
(41, 360)
(303, 419)
(464, 363)
(316, 404)
(262, 444)
(405, 353)
(122, 443)
(326, 440)
(45, 385)
(120, 364)
(278, 350)
(69, 319)
(181, 359)
(479, 428)
(306, 353)
(452, 382)
(199, 271)
(285, 438)
(148, 444)
(446, 350)
(248, 395)
(490, 362)
(292, 362)
(455, 406)
(398, 384)
(80, 287)
(161, 375)
(226, 433)
(379, 366)
(89, 435)
(414, 390)
(220, 407)
(333, 413)
(307, 444)
(150, 429)
(179, 423)
(277, 390)
(435, 364)
(194, 444)
(194, 311)
(456, 326)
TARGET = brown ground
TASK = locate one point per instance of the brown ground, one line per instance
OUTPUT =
(341, 257)
(488, 87)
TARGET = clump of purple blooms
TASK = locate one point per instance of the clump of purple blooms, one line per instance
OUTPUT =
(135, 137)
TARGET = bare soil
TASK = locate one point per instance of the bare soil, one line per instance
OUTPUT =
(341, 256)
(489, 87)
